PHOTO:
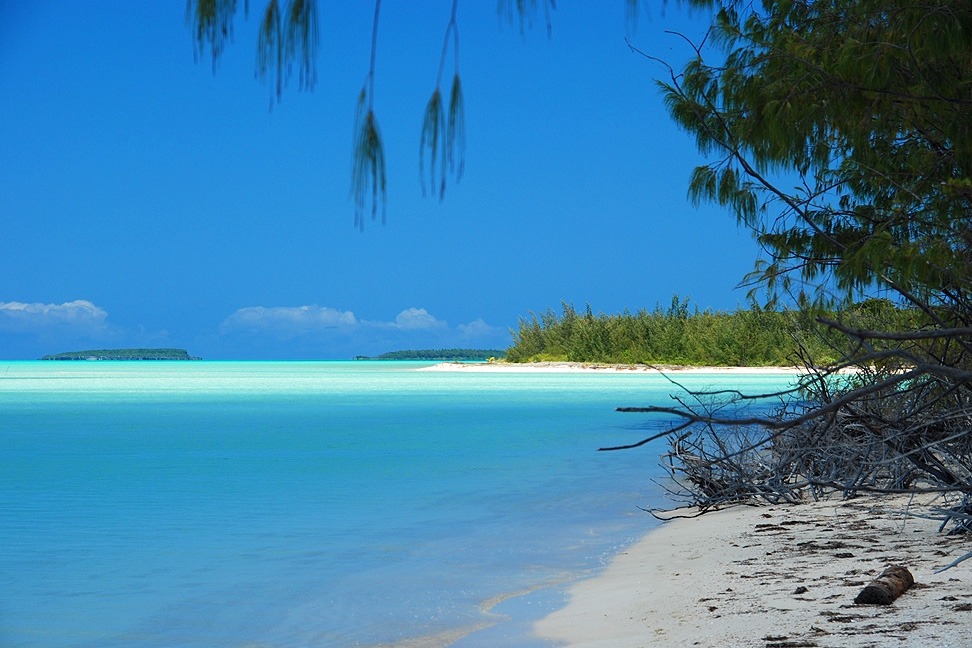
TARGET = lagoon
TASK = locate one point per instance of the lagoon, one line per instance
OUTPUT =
(285, 504)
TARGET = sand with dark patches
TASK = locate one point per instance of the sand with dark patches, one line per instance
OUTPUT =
(775, 577)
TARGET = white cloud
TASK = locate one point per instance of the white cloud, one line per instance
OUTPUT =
(79, 316)
(477, 329)
(415, 319)
(304, 320)
(315, 331)
(289, 320)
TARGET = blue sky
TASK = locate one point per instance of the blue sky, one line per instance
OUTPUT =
(148, 202)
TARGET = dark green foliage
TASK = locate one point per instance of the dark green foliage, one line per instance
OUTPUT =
(444, 136)
(444, 131)
(367, 163)
(285, 36)
(210, 21)
(288, 37)
(123, 354)
(439, 354)
(869, 104)
(674, 335)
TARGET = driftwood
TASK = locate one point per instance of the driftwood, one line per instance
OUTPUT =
(892, 583)
(888, 426)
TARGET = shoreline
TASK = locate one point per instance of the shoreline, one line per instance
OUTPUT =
(594, 367)
(773, 577)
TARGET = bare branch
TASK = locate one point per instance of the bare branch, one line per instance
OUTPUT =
(933, 334)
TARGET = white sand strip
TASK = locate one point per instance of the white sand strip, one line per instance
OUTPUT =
(735, 578)
(571, 367)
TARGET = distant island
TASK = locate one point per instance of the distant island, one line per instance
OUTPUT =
(124, 354)
(438, 354)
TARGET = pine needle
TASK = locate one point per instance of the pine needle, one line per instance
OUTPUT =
(367, 163)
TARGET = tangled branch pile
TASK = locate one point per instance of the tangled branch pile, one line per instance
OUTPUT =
(893, 421)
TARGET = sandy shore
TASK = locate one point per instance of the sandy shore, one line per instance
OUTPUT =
(571, 367)
(774, 577)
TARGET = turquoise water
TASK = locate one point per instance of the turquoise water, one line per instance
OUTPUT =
(245, 504)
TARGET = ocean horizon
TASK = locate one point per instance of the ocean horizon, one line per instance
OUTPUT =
(338, 503)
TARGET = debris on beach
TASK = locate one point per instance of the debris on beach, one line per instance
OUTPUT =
(892, 583)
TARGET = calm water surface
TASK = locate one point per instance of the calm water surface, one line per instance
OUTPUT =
(242, 504)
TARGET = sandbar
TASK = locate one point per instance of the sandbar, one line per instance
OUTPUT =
(572, 367)
(774, 577)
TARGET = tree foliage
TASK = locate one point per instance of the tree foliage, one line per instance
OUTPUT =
(677, 335)
(123, 354)
(866, 107)
(454, 355)
(868, 104)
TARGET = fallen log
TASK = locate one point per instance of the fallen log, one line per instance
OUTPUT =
(892, 583)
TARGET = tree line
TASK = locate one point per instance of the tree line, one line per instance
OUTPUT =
(680, 335)
(437, 354)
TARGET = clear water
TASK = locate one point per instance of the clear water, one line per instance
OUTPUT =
(265, 504)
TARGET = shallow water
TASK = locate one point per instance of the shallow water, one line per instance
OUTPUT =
(284, 504)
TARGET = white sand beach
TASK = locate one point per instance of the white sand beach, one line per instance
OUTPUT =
(775, 577)
(765, 576)
(570, 367)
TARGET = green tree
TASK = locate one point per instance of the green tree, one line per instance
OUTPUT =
(868, 105)
(840, 133)
(668, 336)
